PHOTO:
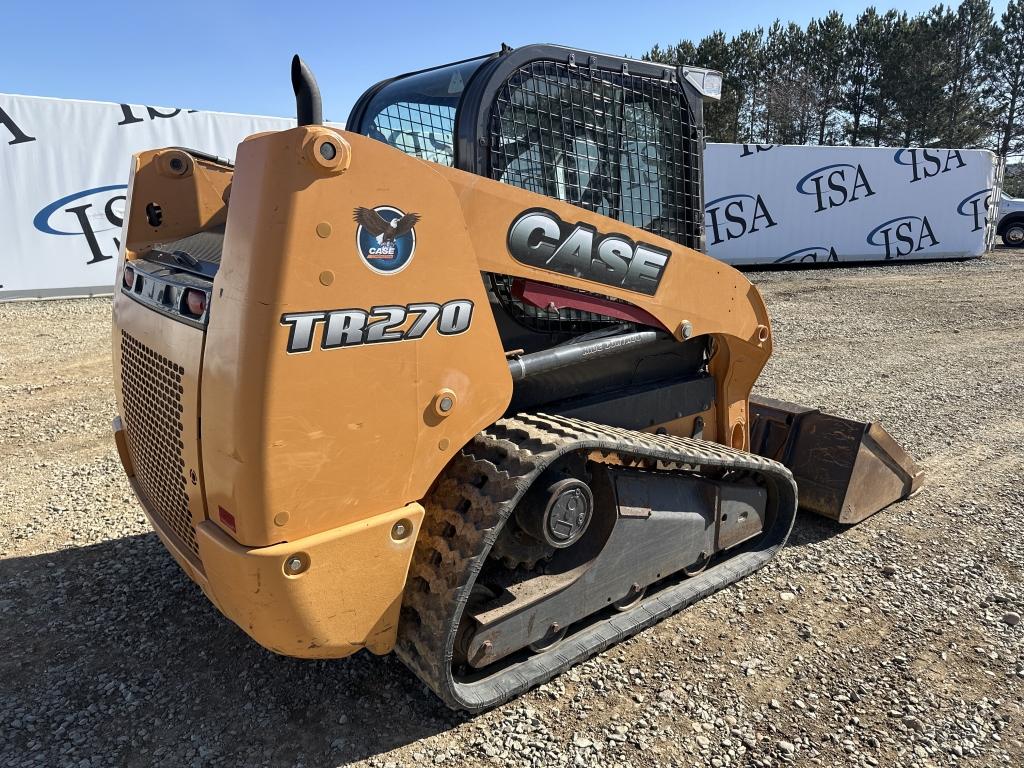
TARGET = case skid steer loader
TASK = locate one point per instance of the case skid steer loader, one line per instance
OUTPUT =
(458, 381)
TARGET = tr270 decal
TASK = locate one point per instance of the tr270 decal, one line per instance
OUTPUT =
(387, 323)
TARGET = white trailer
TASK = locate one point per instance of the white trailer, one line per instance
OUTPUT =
(776, 204)
(64, 168)
(64, 172)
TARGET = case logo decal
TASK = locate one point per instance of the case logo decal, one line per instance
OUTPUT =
(385, 238)
(538, 238)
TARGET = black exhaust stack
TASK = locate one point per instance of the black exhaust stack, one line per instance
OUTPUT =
(308, 110)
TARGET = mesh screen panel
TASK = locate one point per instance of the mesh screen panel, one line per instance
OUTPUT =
(621, 145)
(422, 130)
(151, 389)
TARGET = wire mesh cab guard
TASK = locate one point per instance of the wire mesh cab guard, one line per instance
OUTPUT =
(618, 137)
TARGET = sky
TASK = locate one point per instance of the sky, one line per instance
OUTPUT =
(235, 56)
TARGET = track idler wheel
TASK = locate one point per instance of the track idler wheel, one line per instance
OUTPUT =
(563, 517)
(480, 595)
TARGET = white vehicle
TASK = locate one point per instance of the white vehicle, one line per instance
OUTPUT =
(1010, 221)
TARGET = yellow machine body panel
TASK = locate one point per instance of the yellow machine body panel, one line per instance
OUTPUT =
(281, 447)
(330, 436)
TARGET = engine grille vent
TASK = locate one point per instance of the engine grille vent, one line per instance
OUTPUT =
(625, 146)
(151, 390)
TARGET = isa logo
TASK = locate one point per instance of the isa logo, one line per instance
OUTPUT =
(975, 207)
(833, 186)
(755, 149)
(903, 236)
(815, 254)
(927, 163)
(386, 238)
(93, 214)
(733, 216)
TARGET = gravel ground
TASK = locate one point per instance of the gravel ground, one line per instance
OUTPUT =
(896, 642)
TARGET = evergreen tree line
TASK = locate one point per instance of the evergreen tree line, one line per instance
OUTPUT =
(951, 77)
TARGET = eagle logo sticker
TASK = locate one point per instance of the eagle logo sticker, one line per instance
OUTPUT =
(386, 238)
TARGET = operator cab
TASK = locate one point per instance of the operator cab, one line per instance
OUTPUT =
(618, 137)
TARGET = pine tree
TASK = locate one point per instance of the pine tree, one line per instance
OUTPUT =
(970, 31)
(1006, 85)
(721, 118)
(950, 77)
(788, 94)
(658, 54)
(863, 68)
(746, 54)
(889, 44)
(916, 72)
(827, 63)
(685, 52)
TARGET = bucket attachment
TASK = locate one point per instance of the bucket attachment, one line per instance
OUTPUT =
(845, 470)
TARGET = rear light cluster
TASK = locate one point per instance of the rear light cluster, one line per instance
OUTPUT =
(194, 302)
(159, 289)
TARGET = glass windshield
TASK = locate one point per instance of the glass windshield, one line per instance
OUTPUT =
(416, 114)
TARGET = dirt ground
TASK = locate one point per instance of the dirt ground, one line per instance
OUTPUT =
(896, 642)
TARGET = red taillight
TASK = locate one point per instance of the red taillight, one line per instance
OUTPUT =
(128, 277)
(195, 301)
(226, 517)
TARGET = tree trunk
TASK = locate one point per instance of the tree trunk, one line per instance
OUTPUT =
(1011, 116)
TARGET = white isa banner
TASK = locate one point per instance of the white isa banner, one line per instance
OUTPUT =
(768, 204)
(64, 169)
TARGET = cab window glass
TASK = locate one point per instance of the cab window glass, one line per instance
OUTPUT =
(416, 114)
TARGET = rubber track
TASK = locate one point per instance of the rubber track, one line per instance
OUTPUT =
(470, 503)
